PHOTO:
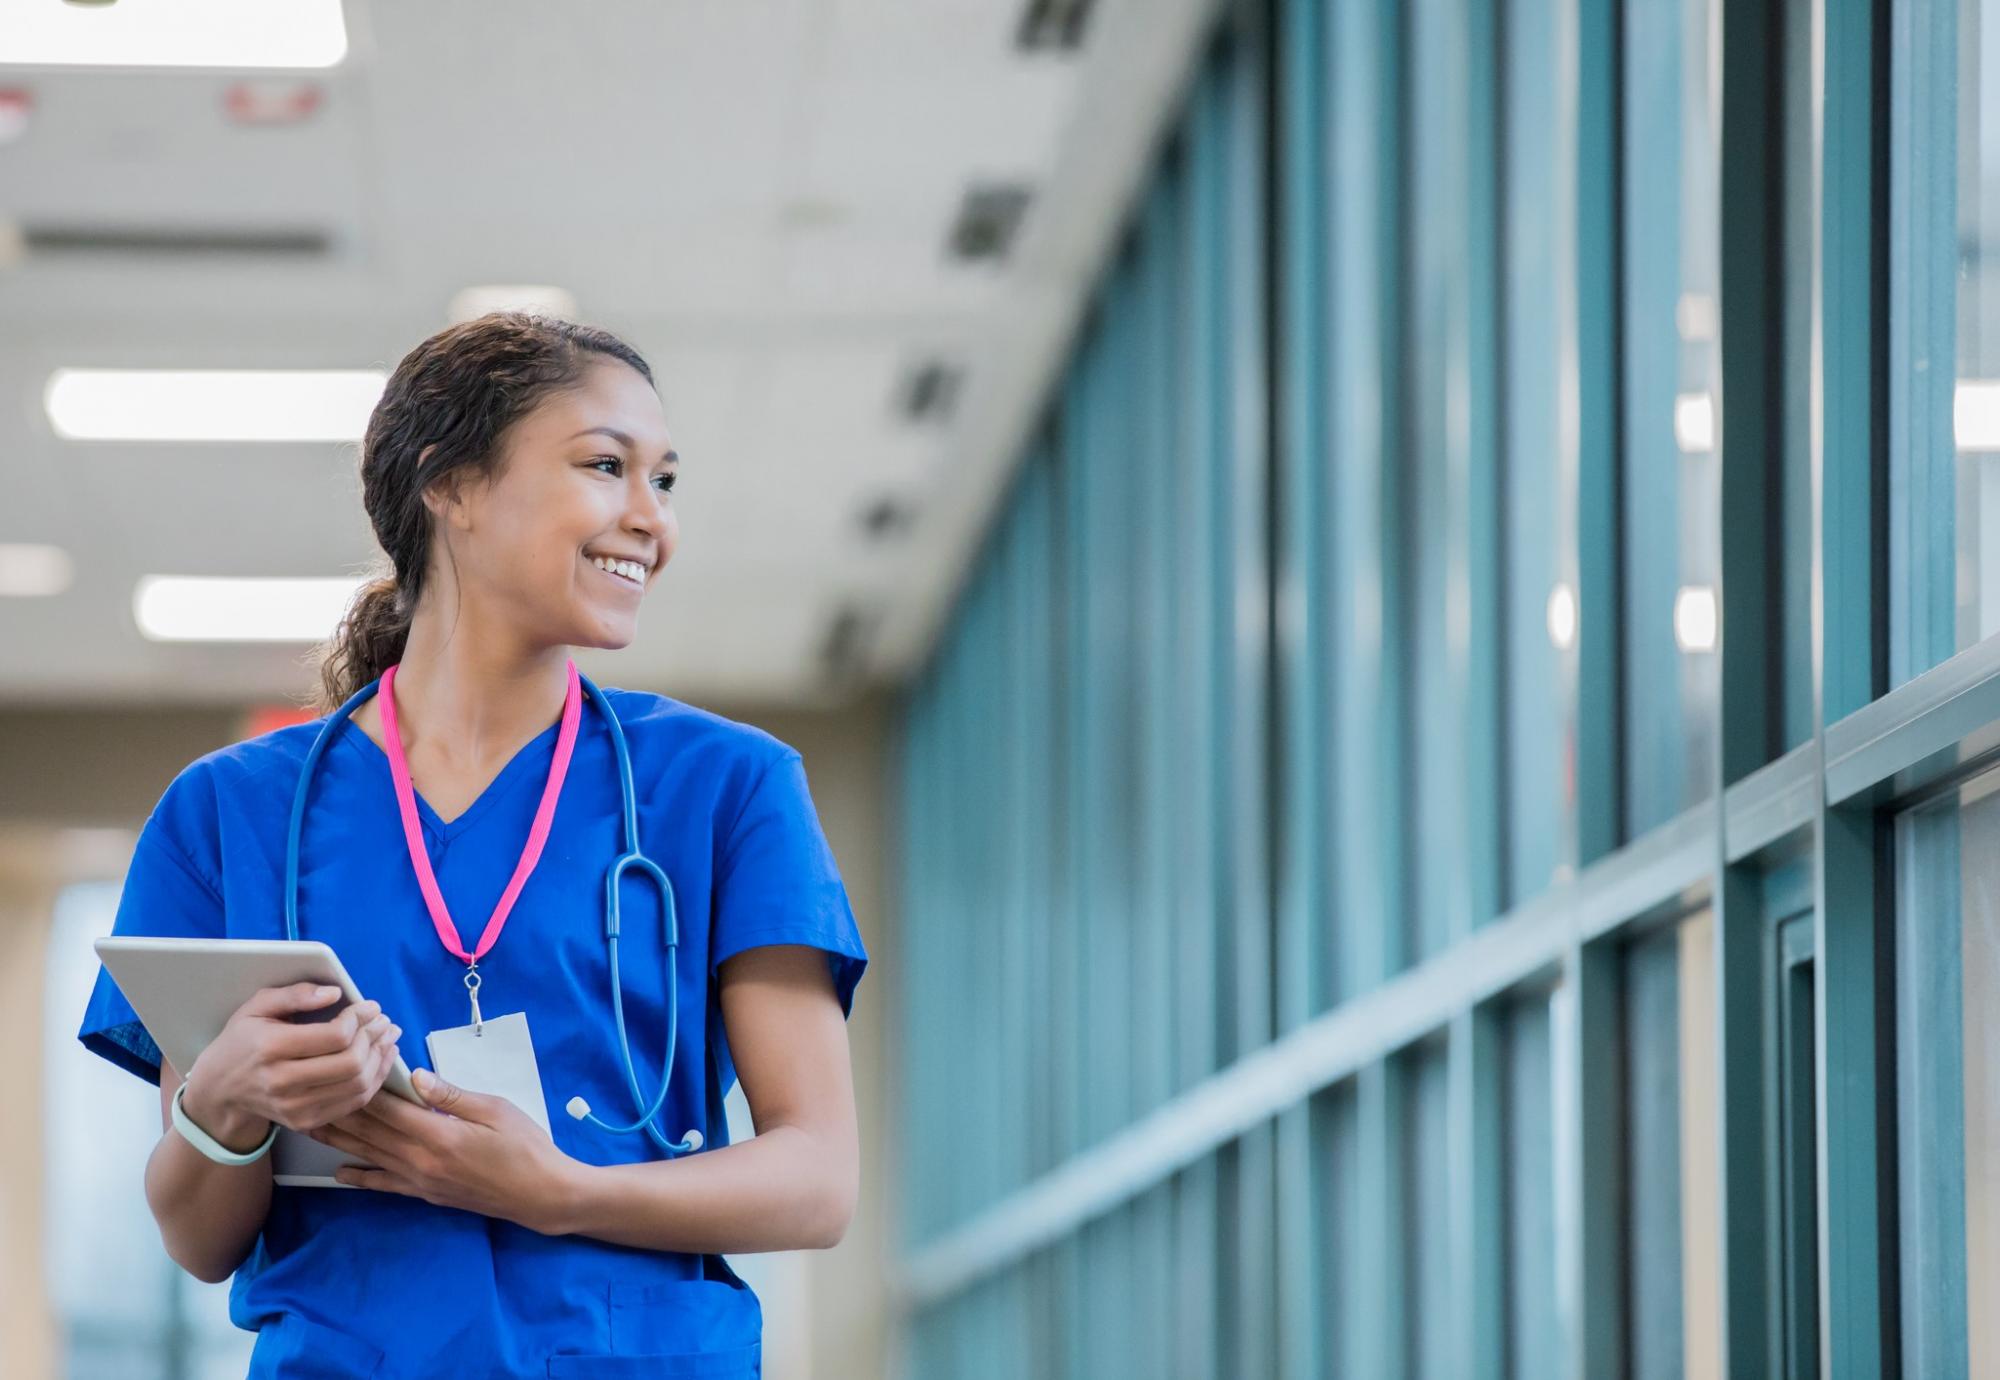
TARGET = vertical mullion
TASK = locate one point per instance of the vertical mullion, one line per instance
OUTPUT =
(1358, 162)
(1750, 438)
(1600, 580)
(1123, 467)
(1486, 698)
(1849, 542)
(1205, 832)
(1862, 588)
(1392, 796)
(1923, 255)
(1749, 401)
(1066, 952)
(1478, 1237)
(1748, 1304)
(1038, 654)
(1304, 767)
(1014, 805)
(1852, 1024)
(1158, 590)
(1378, 1316)
(1196, 1238)
(1247, 340)
(987, 904)
(1590, 1170)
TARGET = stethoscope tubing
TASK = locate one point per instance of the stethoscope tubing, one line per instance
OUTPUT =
(631, 858)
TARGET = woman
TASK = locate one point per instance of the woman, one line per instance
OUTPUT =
(517, 471)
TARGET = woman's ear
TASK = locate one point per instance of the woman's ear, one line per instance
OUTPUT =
(445, 497)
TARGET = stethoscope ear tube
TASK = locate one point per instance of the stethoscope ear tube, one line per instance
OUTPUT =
(630, 858)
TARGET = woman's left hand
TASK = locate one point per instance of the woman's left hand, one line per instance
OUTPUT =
(483, 1154)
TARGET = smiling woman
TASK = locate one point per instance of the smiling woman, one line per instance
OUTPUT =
(469, 838)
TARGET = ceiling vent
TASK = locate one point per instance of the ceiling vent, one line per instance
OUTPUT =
(844, 647)
(1053, 25)
(930, 392)
(886, 518)
(988, 221)
(192, 241)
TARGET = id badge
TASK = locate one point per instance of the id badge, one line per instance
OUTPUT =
(499, 1060)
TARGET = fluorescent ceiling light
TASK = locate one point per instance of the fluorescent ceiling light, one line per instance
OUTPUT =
(205, 608)
(1975, 414)
(212, 404)
(187, 33)
(1695, 618)
(548, 301)
(1694, 423)
(29, 572)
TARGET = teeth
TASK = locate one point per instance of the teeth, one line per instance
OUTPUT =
(631, 570)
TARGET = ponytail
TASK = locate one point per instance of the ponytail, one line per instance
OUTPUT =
(368, 642)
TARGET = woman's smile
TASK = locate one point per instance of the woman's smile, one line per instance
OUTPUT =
(629, 575)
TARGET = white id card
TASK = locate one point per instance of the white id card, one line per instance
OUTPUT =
(499, 1060)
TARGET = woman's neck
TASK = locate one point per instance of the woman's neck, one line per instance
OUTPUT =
(469, 699)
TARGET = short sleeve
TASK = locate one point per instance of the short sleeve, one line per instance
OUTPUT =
(777, 883)
(166, 894)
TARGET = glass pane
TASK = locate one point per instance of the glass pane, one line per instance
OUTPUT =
(1336, 1209)
(1670, 465)
(125, 1310)
(1798, 246)
(1534, 1338)
(1672, 1192)
(1427, 1285)
(1538, 443)
(1948, 1079)
(1945, 336)
(1436, 533)
(1798, 1144)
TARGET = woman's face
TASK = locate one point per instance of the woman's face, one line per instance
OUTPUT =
(585, 479)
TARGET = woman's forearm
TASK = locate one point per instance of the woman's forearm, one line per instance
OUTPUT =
(777, 1191)
(209, 1213)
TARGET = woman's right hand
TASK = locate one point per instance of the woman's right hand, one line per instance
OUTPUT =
(265, 1067)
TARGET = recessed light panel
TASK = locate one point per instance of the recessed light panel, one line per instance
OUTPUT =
(212, 404)
(209, 608)
(185, 33)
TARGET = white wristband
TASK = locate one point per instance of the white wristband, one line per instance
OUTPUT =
(209, 1145)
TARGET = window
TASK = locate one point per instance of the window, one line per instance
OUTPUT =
(1670, 465)
(125, 1310)
(1436, 531)
(1534, 1330)
(1948, 1079)
(1538, 455)
(1672, 1194)
(1944, 367)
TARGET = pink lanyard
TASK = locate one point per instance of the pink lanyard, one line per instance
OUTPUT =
(406, 801)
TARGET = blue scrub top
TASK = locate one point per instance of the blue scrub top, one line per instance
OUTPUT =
(345, 1282)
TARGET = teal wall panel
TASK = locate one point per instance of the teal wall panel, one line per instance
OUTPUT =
(1303, 807)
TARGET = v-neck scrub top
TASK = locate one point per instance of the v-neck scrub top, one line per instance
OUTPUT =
(360, 1283)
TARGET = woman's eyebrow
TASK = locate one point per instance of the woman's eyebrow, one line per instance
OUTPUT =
(672, 457)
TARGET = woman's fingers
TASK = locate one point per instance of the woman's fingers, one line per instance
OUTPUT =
(277, 1002)
(289, 1040)
(353, 1060)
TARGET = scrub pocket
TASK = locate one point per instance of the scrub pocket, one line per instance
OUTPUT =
(706, 1328)
(296, 1348)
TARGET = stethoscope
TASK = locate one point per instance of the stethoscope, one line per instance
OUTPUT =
(631, 859)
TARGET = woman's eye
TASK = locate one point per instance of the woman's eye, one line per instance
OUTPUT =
(668, 486)
(606, 460)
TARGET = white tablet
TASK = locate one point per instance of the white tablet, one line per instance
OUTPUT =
(185, 991)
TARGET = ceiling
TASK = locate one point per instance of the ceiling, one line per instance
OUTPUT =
(757, 193)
